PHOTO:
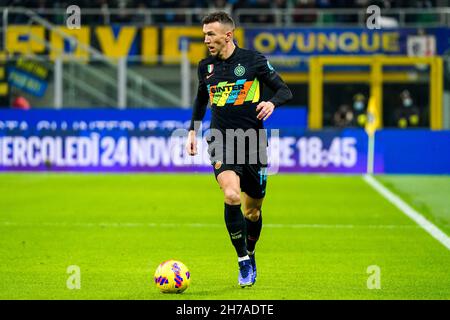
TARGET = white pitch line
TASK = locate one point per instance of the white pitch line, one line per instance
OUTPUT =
(193, 225)
(429, 227)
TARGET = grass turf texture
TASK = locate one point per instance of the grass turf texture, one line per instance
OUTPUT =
(320, 235)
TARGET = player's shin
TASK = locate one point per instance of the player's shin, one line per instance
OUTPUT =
(236, 227)
(253, 232)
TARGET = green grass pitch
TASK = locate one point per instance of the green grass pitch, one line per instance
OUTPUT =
(320, 235)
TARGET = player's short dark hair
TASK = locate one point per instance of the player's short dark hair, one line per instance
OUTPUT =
(220, 16)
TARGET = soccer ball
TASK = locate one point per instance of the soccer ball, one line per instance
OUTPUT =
(172, 276)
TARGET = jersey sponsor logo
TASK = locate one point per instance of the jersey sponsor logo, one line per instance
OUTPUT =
(239, 71)
(237, 93)
(209, 75)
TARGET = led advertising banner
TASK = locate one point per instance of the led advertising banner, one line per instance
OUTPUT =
(154, 141)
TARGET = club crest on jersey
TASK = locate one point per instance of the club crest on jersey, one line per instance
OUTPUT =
(217, 164)
(239, 71)
(210, 68)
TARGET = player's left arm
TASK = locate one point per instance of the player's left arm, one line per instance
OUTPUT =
(267, 74)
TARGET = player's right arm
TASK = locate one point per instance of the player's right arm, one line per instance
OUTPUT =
(198, 112)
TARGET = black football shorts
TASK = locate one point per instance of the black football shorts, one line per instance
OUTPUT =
(253, 177)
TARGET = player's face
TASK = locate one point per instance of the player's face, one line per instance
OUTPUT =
(216, 37)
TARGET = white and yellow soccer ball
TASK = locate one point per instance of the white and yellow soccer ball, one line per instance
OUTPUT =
(172, 276)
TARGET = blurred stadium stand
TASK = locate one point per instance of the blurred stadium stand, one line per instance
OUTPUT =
(245, 12)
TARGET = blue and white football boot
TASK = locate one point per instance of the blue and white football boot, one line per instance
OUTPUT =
(253, 261)
(245, 278)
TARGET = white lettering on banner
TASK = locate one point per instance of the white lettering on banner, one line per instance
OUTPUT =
(13, 125)
(59, 161)
(349, 153)
(114, 153)
(176, 152)
(148, 125)
(95, 137)
(71, 151)
(19, 151)
(286, 152)
(80, 125)
(137, 149)
(152, 148)
(153, 151)
(107, 144)
(46, 125)
(164, 151)
(6, 150)
(84, 152)
(48, 150)
(23, 126)
(121, 154)
(83, 125)
(34, 145)
(342, 152)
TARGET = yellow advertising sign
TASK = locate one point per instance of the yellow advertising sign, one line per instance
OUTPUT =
(330, 42)
(25, 39)
(58, 43)
(31, 40)
(149, 45)
(114, 47)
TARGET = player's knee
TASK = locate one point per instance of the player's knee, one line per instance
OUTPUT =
(232, 196)
(252, 214)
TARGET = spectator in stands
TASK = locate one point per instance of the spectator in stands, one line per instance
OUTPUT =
(343, 117)
(302, 17)
(407, 114)
(139, 17)
(359, 110)
(20, 102)
(123, 16)
(105, 11)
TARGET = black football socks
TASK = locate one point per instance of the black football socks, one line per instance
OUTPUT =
(236, 227)
(253, 232)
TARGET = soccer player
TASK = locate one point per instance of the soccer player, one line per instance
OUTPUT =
(232, 79)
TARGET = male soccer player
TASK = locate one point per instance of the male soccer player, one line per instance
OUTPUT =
(231, 79)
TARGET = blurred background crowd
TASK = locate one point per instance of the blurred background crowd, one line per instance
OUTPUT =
(231, 6)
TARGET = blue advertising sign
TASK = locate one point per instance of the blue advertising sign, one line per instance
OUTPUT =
(154, 140)
(413, 151)
(29, 76)
(27, 82)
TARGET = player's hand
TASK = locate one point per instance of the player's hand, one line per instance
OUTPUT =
(191, 144)
(265, 109)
